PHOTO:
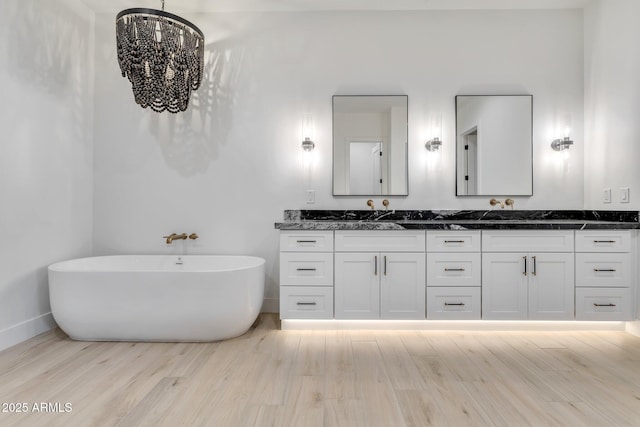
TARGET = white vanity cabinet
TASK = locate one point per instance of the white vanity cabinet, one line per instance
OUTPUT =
(306, 275)
(453, 275)
(379, 274)
(527, 275)
(603, 275)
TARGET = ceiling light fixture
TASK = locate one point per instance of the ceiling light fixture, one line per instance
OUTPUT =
(162, 55)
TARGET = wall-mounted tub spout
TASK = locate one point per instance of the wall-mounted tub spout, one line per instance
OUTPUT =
(173, 236)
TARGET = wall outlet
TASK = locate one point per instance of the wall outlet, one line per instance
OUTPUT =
(311, 196)
(606, 195)
(624, 194)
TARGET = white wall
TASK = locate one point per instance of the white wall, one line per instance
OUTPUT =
(228, 167)
(612, 104)
(46, 156)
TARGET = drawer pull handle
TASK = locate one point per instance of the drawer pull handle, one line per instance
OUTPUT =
(534, 265)
(454, 241)
(385, 265)
(307, 241)
(306, 269)
(604, 241)
(306, 303)
(524, 258)
(603, 305)
(454, 269)
(454, 303)
(375, 265)
(597, 270)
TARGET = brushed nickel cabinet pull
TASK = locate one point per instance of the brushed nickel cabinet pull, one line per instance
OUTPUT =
(385, 265)
(454, 269)
(598, 270)
(306, 269)
(306, 303)
(307, 241)
(604, 241)
(603, 305)
(454, 241)
(375, 265)
(524, 258)
(454, 303)
(534, 266)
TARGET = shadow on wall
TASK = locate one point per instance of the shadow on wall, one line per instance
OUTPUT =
(47, 49)
(190, 140)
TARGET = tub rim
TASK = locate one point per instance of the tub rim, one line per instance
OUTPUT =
(63, 266)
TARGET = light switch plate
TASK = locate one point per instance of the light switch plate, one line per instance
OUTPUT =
(624, 194)
(606, 195)
(311, 196)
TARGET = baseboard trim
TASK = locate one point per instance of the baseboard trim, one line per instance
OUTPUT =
(271, 305)
(457, 325)
(25, 330)
(633, 328)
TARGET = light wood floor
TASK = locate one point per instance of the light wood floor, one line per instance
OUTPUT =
(337, 378)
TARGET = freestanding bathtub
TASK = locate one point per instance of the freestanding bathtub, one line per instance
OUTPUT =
(156, 297)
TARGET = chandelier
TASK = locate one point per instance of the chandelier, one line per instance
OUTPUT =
(162, 55)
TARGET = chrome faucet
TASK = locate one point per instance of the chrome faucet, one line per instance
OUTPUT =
(173, 236)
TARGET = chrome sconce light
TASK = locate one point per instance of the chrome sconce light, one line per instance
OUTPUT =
(308, 144)
(561, 144)
(433, 144)
(307, 133)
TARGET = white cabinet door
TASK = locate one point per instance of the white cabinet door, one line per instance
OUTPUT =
(551, 288)
(357, 286)
(402, 286)
(504, 286)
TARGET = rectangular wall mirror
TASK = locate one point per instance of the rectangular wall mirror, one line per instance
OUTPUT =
(494, 145)
(370, 134)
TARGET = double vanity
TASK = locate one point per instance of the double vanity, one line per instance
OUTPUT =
(458, 265)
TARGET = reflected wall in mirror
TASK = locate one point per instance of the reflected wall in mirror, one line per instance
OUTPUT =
(370, 135)
(494, 145)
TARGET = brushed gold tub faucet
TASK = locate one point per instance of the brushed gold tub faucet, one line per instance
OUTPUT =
(173, 236)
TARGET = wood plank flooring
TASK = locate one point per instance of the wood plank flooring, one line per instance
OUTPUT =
(269, 377)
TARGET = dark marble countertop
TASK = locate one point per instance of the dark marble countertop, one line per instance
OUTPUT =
(459, 220)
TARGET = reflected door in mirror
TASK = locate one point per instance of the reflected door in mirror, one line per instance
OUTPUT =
(494, 145)
(370, 145)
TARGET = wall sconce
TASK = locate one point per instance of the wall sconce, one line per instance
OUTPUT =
(433, 144)
(307, 133)
(563, 144)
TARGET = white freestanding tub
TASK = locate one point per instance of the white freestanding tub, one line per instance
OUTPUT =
(156, 297)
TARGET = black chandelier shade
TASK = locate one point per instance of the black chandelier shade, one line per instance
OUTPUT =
(162, 55)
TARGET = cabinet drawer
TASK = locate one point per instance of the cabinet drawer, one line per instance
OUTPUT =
(603, 241)
(451, 269)
(306, 241)
(311, 269)
(453, 241)
(603, 304)
(306, 302)
(380, 241)
(453, 303)
(527, 241)
(603, 270)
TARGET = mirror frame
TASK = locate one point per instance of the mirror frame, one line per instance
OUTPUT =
(530, 193)
(333, 148)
